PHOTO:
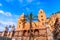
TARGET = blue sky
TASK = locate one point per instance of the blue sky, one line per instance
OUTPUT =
(10, 10)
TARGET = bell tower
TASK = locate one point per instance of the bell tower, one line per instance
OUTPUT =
(42, 16)
(21, 22)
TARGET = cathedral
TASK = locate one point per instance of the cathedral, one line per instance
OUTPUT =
(40, 30)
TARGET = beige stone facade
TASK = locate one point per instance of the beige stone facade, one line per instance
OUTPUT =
(38, 28)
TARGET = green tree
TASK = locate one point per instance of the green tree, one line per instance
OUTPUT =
(31, 18)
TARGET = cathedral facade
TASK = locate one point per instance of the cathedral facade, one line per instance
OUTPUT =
(41, 29)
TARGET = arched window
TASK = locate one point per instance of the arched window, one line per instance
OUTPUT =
(41, 15)
(25, 33)
(36, 32)
(42, 19)
(40, 11)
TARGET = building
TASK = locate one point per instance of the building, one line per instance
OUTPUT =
(38, 30)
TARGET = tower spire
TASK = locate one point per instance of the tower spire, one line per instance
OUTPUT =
(42, 16)
(21, 21)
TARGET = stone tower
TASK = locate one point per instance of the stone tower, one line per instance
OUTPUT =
(52, 20)
(21, 22)
(42, 16)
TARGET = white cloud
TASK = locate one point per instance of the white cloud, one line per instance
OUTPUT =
(1, 29)
(4, 23)
(1, 11)
(5, 13)
(0, 4)
(8, 14)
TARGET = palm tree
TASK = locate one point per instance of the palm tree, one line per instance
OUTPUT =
(31, 18)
